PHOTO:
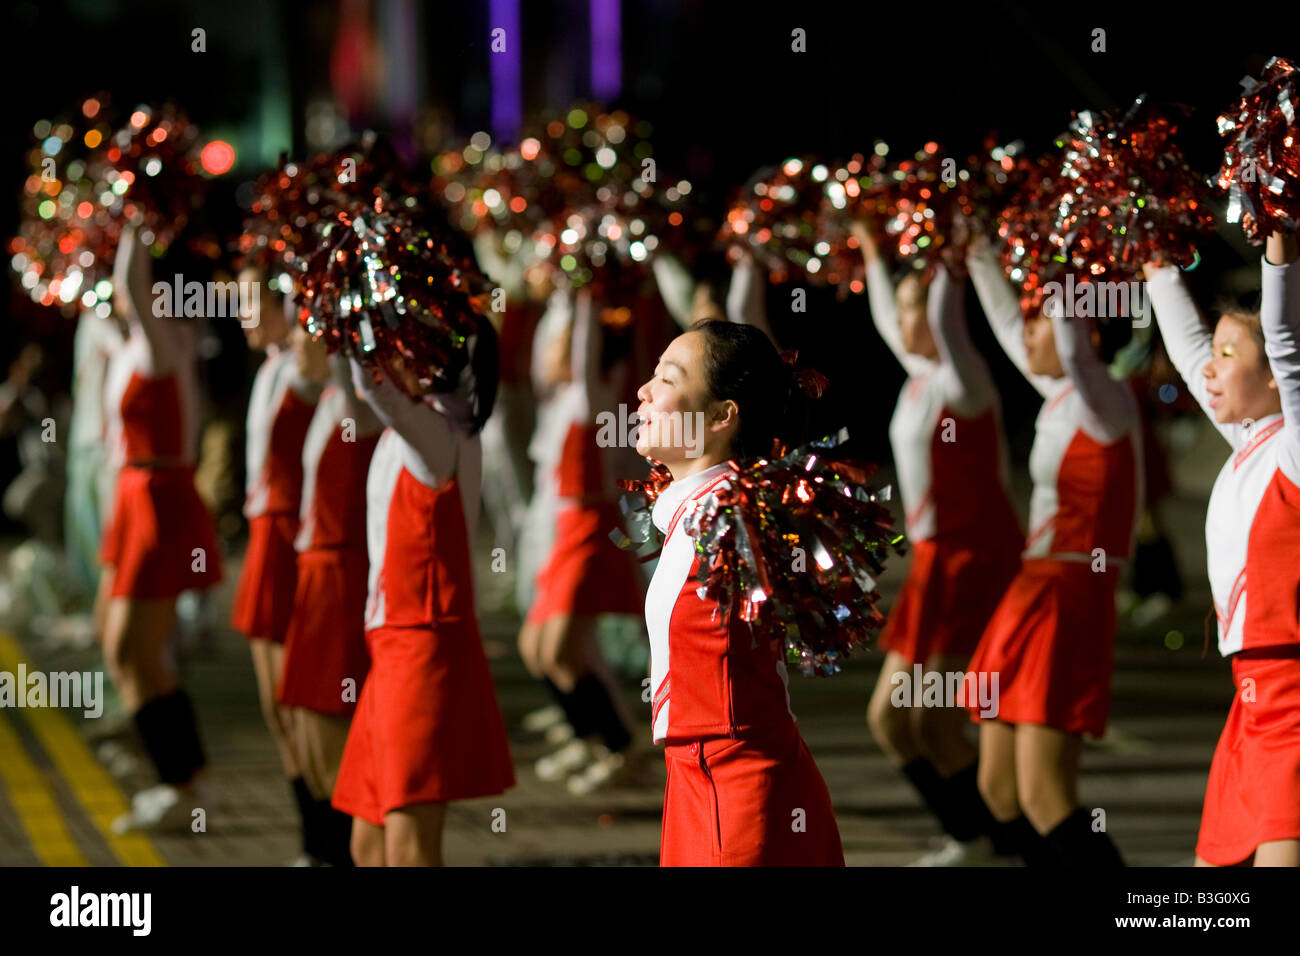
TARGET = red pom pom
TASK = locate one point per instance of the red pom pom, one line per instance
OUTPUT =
(1261, 159)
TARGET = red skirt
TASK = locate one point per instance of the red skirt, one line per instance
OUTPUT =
(428, 728)
(326, 643)
(1051, 644)
(265, 596)
(944, 605)
(747, 802)
(1253, 795)
(160, 539)
(587, 573)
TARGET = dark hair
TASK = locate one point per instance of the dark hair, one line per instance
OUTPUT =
(485, 369)
(742, 365)
(1113, 336)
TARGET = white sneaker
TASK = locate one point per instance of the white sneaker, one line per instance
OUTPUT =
(542, 719)
(161, 808)
(977, 852)
(568, 759)
(606, 771)
(560, 733)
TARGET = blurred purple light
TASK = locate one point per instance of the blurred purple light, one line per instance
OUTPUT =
(606, 50)
(507, 92)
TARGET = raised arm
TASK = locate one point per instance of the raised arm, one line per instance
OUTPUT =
(584, 357)
(367, 422)
(1107, 402)
(676, 288)
(1187, 340)
(1279, 314)
(430, 438)
(1002, 309)
(882, 298)
(558, 314)
(500, 267)
(946, 312)
(133, 298)
(746, 295)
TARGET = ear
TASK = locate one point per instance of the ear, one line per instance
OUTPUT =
(723, 415)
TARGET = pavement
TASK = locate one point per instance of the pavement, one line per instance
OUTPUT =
(63, 777)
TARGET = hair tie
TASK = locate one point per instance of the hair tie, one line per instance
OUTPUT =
(808, 380)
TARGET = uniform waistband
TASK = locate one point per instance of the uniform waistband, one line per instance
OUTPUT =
(691, 748)
(1272, 652)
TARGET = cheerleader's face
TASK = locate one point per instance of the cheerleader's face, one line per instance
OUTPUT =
(272, 327)
(679, 421)
(913, 326)
(1238, 377)
(1040, 346)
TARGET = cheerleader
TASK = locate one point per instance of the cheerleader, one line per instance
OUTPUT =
(1051, 639)
(742, 787)
(280, 408)
(427, 728)
(1247, 379)
(325, 657)
(159, 540)
(585, 576)
(965, 536)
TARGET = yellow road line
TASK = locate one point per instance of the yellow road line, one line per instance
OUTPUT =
(97, 792)
(34, 801)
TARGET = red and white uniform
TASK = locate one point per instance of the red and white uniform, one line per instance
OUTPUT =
(1252, 538)
(427, 727)
(279, 410)
(160, 539)
(1051, 639)
(326, 641)
(951, 462)
(738, 770)
(586, 573)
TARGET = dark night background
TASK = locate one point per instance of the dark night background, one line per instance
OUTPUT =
(719, 81)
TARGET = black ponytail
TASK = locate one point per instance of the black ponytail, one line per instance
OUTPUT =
(742, 365)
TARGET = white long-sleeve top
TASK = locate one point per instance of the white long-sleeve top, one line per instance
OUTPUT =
(1086, 460)
(946, 431)
(1252, 523)
(747, 296)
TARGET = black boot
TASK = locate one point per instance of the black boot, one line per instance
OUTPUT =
(1019, 838)
(334, 835)
(593, 699)
(307, 816)
(1078, 845)
(170, 733)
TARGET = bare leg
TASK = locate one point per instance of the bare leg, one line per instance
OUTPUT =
(940, 732)
(367, 843)
(318, 745)
(1278, 853)
(530, 649)
(413, 835)
(997, 770)
(135, 648)
(268, 663)
(891, 726)
(1047, 766)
